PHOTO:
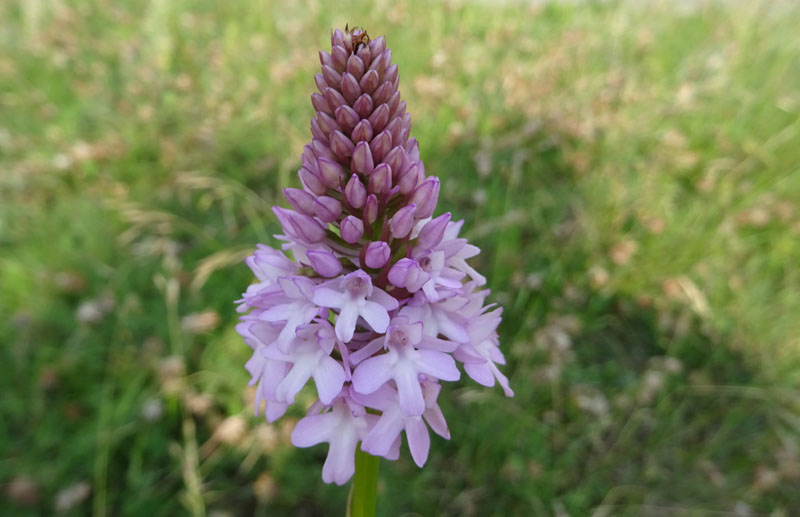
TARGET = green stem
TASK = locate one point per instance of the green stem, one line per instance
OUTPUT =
(364, 494)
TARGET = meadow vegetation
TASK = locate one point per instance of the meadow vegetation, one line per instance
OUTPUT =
(630, 170)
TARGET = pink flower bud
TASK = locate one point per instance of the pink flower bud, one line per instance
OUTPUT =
(407, 273)
(362, 159)
(377, 63)
(341, 146)
(363, 105)
(327, 208)
(300, 200)
(316, 132)
(377, 46)
(371, 209)
(331, 76)
(364, 53)
(354, 192)
(433, 231)
(334, 98)
(396, 157)
(355, 66)
(390, 74)
(320, 82)
(402, 222)
(408, 179)
(320, 149)
(330, 171)
(350, 88)
(379, 117)
(327, 124)
(380, 181)
(337, 38)
(394, 103)
(382, 94)
(352, 229)
(320, 104)
(412, 148)
(325, 58)
(347, 117)
(369, 82)
(324, 262)
(339, 57)
(299, 226)
(362, 131)
(377, 254)
(312, 181)
(400, 110)
(380, 145)
(425, 197)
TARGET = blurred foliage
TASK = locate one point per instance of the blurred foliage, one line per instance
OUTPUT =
(631, 171)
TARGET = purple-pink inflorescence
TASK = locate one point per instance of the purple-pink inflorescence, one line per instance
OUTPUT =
(377, 303)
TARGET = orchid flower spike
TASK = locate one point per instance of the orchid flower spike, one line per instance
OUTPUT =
(371, 296)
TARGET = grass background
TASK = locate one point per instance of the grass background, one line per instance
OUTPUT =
(631, 171)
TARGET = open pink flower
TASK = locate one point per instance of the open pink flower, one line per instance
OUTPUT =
(403, 363)
(356, 297)
(342, 430)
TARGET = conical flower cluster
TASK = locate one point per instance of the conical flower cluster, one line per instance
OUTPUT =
(375, 301)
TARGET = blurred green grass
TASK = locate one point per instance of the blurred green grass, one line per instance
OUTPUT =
(630, 170)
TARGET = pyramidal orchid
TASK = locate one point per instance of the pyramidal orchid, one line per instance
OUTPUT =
(371, 295)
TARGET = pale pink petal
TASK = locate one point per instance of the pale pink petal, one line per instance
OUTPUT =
(375, 314)
(274, 373)
(429, 288)
(438, 364)
(280, 312)
(265, 332)
(275, 410)
(373, 373)
(483, 328)
(289, 287)
(379, 440)
(453, 330)
(452, 283)
(329, 378)
(409, 390)
(255, 365)
(394, 451)
(419, 441)
(340, 464)
(480, 373)
(346, 323)
(367, 351)
(502, 380)
(442, 345)
(413, 331)
(297, 378)
(496, 355)
(313, 429)
(435, 418)
(382, 297)
(467, 354)
(328, 297)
